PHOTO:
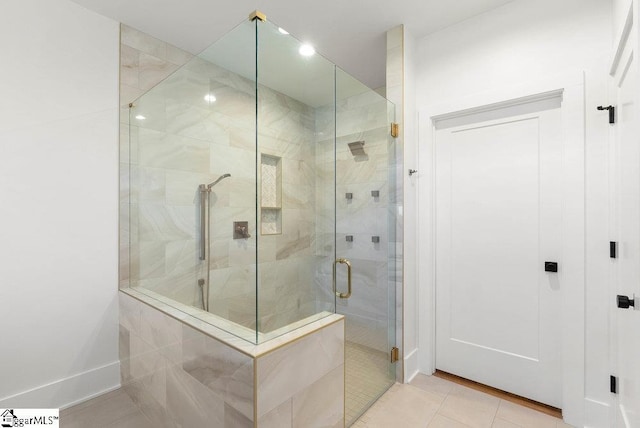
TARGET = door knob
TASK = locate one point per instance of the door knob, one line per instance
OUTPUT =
(624, 302)
(550, 266)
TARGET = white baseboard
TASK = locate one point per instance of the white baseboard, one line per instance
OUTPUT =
(596, 414)
(68, 391)
(410, 365)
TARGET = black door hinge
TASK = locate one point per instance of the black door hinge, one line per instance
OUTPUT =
(612, 112)
(613, 249)
(613, 384)
(624, 302)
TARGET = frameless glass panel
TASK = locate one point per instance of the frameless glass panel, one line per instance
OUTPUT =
(193, 178)
(365, 235)
(296, 183)
(249, 177)
(394, 250)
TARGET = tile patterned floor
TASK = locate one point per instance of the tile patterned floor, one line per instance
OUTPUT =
(428, 402)
(112, 410)
(367, 378)
(431, 402)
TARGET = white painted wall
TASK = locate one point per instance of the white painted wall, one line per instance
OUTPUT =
(59, 193)
(511, 44)
(522, 41)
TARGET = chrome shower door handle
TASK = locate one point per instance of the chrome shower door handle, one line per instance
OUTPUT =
(348, 293)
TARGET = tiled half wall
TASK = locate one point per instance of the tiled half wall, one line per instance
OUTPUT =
(181, 376)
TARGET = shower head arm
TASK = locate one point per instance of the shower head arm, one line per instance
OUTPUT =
(222, 177)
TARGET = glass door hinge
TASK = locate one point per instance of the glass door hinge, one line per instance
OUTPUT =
(395, 130)
(395, 354)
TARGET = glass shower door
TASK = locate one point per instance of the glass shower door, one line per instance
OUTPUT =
(295, 181)
(365, 237)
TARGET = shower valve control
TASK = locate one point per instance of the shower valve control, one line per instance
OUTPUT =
(241, 230)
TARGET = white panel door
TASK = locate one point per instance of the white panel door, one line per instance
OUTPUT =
(625, 164)
(498, 220)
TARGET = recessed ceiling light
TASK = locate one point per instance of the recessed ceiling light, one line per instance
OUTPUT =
(282, 30)
(140, 117)
(210, 98)
(306, 50)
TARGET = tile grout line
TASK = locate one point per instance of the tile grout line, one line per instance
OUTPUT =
(493, 421)
(440, 407)
(454, 385)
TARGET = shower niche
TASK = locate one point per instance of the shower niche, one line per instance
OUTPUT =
(236, 223)
(270, 195)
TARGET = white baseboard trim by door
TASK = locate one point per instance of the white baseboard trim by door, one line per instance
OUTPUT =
(596, 414)
(69, 391)
(410, 365)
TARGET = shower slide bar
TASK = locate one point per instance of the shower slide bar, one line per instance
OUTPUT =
(205, 190)
(204, 199)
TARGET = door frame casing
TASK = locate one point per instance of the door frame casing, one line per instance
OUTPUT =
(625, 49)
(572, 273)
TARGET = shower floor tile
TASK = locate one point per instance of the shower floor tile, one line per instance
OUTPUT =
(367, 378)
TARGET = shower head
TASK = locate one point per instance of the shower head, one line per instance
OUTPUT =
(222, 177)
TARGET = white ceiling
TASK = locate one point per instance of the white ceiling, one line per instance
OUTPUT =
(312, 80)
(350, 33)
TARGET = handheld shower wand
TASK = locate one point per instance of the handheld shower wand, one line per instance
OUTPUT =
(222, 177)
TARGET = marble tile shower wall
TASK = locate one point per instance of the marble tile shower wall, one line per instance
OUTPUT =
(360, 118)
(286, 129)
(144, 61)
(185, 141)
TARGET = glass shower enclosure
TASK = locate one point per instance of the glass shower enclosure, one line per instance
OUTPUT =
(261, 198)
